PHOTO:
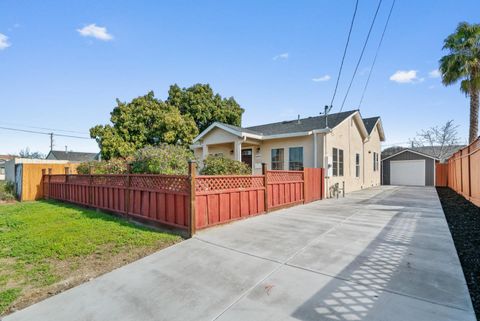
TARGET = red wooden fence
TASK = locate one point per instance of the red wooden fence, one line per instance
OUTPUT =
(441, 174)
(221, 199)
(464, 172)
(284, 188)
(159, 198)
(171, 199)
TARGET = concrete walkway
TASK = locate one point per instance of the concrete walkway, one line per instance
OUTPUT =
(379, 254)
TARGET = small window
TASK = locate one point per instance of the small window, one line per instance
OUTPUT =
(337, 162)
(295, 158)
(277, 159)
(375, 161)
(340, 162)
(357, 165)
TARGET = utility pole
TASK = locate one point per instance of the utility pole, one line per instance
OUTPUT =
(51, 141)
(326, 111)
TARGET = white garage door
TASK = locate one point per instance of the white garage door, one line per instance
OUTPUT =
(407, 172)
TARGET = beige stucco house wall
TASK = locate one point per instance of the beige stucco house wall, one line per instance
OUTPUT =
(350, 135)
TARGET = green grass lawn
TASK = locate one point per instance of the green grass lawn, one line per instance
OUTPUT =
(47, 247)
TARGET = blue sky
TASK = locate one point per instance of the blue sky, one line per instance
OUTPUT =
(58, 71)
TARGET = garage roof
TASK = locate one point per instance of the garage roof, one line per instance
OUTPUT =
(411, 151)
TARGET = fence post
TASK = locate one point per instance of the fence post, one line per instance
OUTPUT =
(265, 183)
(304, 185)
(469, 174)
(127, 191)
(90, 186)
(192, 172)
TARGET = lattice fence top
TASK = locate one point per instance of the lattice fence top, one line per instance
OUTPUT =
(57, 178)
(79, 179)
(284, 176)
(173, 183)
(109, 180)
(215, 183)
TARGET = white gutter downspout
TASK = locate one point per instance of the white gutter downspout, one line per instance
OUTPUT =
(315, 151)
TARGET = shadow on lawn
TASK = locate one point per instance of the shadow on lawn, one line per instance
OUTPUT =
(108, 216)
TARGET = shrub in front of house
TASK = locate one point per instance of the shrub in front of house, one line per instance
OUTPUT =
(164, 159)
(219, 165)
(7, 191)
(112, 166)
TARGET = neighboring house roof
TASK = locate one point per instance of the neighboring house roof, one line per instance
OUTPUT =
(72, 156)
(430, 151)
(7, 157)
(297, 127)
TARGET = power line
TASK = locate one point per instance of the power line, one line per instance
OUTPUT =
(376, 53)
(42, 133)
(361, 55)
(344, 53)
(44, 128)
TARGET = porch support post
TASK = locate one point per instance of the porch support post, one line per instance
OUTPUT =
(204, 151)
(237, 150)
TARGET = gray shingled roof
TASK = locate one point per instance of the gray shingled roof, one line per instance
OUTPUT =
(433, 151)
(296, 126)
(73, 156)
(370, 123)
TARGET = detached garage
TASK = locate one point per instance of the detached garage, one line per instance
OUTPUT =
(409, 167)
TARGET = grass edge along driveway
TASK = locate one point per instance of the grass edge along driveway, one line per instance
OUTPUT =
(48, 247)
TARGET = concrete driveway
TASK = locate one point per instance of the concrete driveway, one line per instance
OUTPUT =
(379, 254)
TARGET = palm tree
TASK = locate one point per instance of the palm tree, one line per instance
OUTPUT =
(463, 63)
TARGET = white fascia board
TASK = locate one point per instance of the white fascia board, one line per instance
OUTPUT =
(411, 151)
(219, 125)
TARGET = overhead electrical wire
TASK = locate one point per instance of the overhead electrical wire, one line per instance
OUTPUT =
(44, 128)
(361, 54)
(42, 133)
(344, 52)
(376, 54)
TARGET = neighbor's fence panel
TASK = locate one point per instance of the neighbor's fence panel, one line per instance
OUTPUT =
(221, 199)
(284, 188)
(159, 198)
(441, 175)
(464, 172)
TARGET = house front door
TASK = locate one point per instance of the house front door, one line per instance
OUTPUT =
(247, 156)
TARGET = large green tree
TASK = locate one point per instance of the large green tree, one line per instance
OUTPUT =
(204, 106)
(148, 121)
(462, 63)
(145, 121)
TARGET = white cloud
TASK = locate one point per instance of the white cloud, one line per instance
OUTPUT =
(95, 31)
(322, 78)
(435, 73)
(4, 44)
(405, 77)
(282, 56)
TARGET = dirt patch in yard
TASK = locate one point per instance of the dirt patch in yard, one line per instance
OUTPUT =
(464, 222)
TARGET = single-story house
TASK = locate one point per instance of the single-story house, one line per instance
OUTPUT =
(413, 166)
(26, 175)
(72, 156)
(3, 160)
(345, 144)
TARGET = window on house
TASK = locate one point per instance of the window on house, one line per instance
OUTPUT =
(357, 165)
(337, 162)
(340, 162)
(375, 161)
(277, 159)
(295, 158)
